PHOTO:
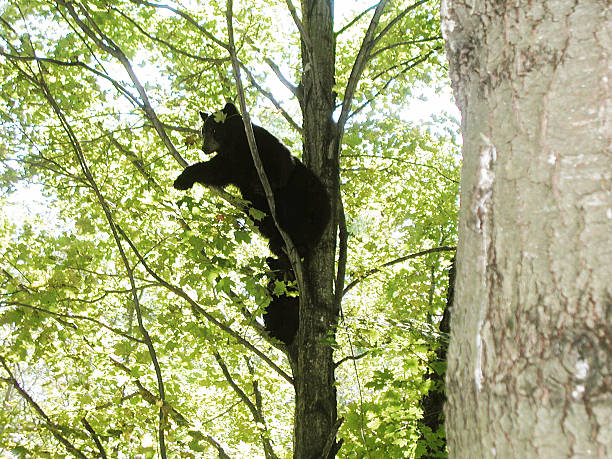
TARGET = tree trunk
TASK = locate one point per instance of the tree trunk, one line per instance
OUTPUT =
(433, 402)
(315, 412)
(530, 359)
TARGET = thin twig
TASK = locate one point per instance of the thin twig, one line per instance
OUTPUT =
(399, 160)
(281, 77)
(94, 436)
(271, 98)
(75, 317)
(402, 43)
(350, 357)
(359, 65)
(185, 16)
(303, 35)
(396, 261)
(355, 19)
(395, 20)
(105, 43)
(386, 85)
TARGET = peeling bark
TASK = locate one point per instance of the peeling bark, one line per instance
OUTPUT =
(530, 359)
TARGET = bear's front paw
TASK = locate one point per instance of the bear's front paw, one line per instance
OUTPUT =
(183, 182)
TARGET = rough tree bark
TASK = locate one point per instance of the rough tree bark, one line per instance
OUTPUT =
(313, 370)
(530, 359)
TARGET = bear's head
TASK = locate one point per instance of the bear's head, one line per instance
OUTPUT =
(215, 130)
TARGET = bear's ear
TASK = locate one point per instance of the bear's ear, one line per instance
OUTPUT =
(230, 109)
(203, 115)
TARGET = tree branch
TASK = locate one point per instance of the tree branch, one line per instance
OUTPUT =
(185, 16)
(167, 44)
(402, 43)
(331, 446)
(351, 357)
(83, 163)
(272, 99)
(412, 163)
(149, 397)
(386, 85)
(395, 20)
(283, 80)
(291, 250)
(303, 35)
(396, 261)
(355, 19)
(105, 43)
(94, 436)
(75, 317)
(257, 415)
(198, 310)
(47, 60)
(53, 428)
(342, 254)
(358, 67)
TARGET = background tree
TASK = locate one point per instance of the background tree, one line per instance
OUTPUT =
(130, 313)
(529, 359)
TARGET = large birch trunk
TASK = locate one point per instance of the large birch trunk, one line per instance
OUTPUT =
(530, 359)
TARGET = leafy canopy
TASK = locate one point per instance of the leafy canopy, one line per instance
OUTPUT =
(113, 273)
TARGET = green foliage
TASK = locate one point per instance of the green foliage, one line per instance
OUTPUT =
(69, 315)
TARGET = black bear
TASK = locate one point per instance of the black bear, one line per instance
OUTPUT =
(282, 316)
(302, 202)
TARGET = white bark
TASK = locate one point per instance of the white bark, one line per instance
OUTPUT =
(530, 359)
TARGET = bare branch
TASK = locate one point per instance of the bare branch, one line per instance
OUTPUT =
(396, 261)
(355, 19)
(272, 99)
(281, 77)
(351, 357)
(359, 65)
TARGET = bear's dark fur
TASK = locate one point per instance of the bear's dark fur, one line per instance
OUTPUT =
(302, 202)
